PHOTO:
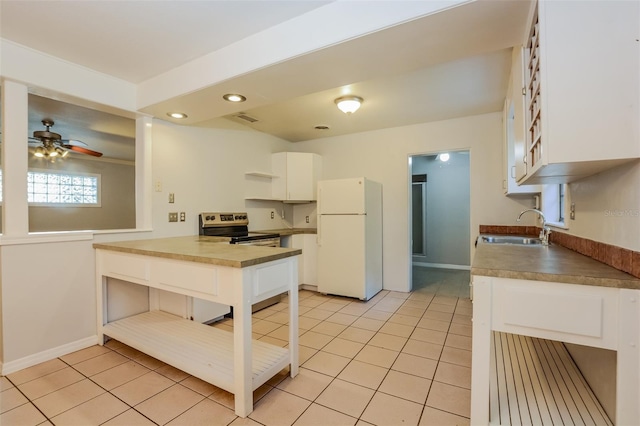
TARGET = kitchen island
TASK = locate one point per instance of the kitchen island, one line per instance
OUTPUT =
(211, 269)
(549, 293)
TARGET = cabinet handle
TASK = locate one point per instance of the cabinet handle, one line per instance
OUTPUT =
(524, 159)
(513, 172)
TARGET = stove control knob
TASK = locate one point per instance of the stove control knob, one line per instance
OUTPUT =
(207, 218)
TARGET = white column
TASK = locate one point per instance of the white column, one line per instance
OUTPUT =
(143, 172)
(15, 134)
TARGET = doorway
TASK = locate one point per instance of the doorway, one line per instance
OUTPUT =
(440, 218)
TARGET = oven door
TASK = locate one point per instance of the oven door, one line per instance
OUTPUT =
(265, 242)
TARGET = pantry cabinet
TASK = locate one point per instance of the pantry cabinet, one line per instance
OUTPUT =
(295, 176)
(581, 84)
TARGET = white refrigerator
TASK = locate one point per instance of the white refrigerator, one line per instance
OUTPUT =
(350, 237)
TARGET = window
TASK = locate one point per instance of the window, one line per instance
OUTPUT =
(561, 200)
(61, 188)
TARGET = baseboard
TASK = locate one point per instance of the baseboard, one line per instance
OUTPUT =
(308, 287)
(49, 354)
(443, 266)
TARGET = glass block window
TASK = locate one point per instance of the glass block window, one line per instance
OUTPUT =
(63, 188)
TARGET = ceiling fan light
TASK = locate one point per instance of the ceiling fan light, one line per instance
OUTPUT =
(39, 152)
(349, 104)
(61, 152)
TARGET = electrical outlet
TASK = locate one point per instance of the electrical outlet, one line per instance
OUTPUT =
(172, 198)
(173, 217)
(183, 216)
(307, 219)
(273, 215)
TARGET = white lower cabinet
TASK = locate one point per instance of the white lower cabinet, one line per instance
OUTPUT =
(588, 315)
(307, 263)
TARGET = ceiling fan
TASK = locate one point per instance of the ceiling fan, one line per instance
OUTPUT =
(51, 145)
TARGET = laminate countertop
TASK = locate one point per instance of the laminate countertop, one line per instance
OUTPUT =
(547, 263)
(288, 231)
(200, 249)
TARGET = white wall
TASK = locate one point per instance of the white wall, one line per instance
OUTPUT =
(383, 156)
(608, 207)
(205, 169)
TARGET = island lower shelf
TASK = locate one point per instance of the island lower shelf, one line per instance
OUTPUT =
(200, 350)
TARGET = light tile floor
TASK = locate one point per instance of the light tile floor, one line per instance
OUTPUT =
(400, 358)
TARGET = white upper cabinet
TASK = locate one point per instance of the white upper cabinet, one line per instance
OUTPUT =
(295, 176)
(514, 131)
(581, 79)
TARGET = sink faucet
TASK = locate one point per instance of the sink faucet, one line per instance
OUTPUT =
(544, 233)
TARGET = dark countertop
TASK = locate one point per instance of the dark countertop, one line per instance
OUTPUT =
(200, 249)
(547, 263)
(288, 231)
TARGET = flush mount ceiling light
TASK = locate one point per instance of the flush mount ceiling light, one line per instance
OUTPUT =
(348, 104)
(233, 97)
(178, 115)
(444, 157)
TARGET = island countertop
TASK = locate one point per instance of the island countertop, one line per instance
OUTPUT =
(200, 249)
(551, 263)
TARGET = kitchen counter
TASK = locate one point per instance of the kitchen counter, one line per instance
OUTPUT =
(552, 263)
(200, 249)
(284, 232)
(553, 293)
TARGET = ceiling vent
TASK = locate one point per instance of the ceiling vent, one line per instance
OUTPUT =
(245, 117)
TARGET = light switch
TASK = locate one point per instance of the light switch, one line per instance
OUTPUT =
(172, 197)
(173, 217)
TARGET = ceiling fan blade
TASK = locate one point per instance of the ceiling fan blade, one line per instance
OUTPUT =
(73, 142)
(34, 141)
(83, 150)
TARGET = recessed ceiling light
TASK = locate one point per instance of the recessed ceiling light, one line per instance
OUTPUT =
(177, 114)
(233, 97)
(321, 127)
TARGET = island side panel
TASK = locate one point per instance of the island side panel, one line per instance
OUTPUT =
(628, 368)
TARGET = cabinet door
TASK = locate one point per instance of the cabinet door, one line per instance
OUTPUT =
(518, 114)
(297, 241)
(311, 262)
(300, 176)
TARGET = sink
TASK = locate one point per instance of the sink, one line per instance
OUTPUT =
(511, 239)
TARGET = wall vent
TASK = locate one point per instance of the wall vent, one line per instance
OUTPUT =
(245, 117)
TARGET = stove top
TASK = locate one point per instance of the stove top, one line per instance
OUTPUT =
(227, 224)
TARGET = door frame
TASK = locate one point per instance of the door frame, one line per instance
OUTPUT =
(409, 181)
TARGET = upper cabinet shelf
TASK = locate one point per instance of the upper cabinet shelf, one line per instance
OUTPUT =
(261, 174)
(581, 84)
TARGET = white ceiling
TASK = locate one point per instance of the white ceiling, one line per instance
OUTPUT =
(445, 65)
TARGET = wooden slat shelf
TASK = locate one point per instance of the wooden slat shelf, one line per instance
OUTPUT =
(535, 381)
(203, 351)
